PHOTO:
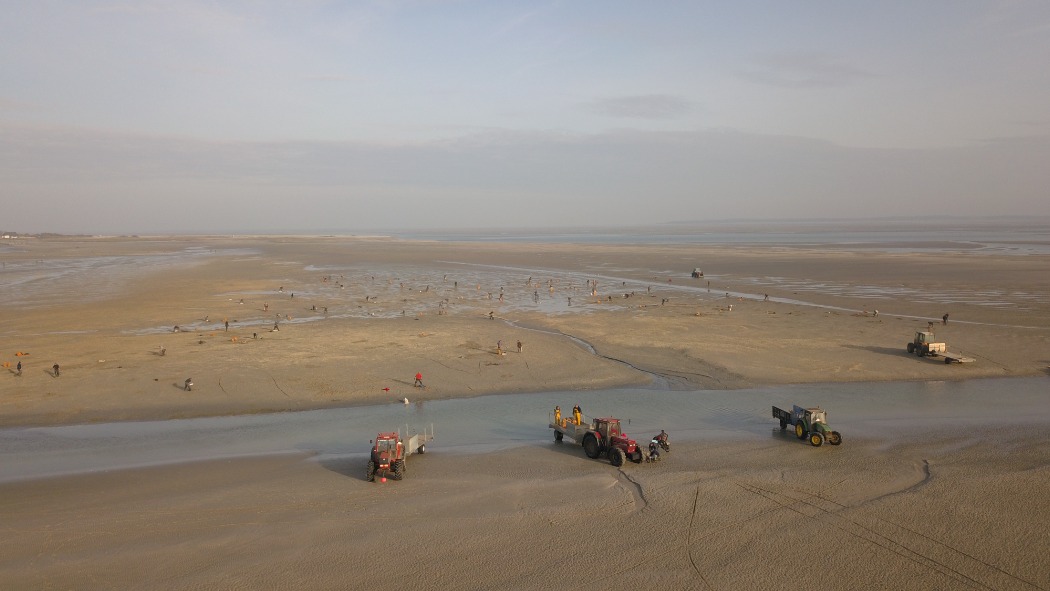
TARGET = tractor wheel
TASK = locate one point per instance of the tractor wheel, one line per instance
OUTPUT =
(816, 439)
(399, 470)
(617, 457)
(911, 348)
(783, 424)
(558, 436)
(637, 456)
(590, 446)
(422, 449)
(370, 472)
(919, 353)
(800, 430)
(947, 360)
(834, 438)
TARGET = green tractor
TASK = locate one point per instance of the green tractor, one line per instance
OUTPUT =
(810, 423)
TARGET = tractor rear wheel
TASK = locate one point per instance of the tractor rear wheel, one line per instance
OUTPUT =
(370, 472)
(617, 457)
(816, 439)
(558, 436)
(399, 470)
(590, 446)
(834, 438)
(911, 348)
(800, 430)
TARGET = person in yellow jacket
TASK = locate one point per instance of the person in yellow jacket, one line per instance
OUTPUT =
(577, 414)
(557, 415)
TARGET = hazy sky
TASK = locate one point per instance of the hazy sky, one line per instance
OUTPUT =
(142, 116)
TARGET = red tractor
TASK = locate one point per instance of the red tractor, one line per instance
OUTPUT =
(388, 457)
(600, 436)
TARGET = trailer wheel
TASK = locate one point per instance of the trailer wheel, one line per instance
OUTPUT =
(590, 446)
(800, 430)
(834, 438)
(816, 439)
(399, 470)
(558, 436)
(911, 348)
(783, 424)
(947, 360)
(617, 457)
(370, 472)
(422, 449)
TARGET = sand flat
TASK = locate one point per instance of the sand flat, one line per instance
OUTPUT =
(939, 508)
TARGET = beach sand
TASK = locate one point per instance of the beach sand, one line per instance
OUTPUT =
(939, 510)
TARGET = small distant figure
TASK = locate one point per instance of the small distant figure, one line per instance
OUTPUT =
(419, 380)
(163, 351)
(765, 297)
(275, 328)
(55, 368)
(491, 316)
(206, 317)
(18, 368)
(577, 414)
(944, 319)
(519, 346)
(227, 323)
(405, 400)
(266, 307)
(876, 314)
(255, 335)
(730, 307)
(188, 384)
(176, 329)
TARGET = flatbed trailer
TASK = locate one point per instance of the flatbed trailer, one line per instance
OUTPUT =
(950, 357)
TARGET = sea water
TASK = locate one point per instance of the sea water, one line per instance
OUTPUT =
(496, 422)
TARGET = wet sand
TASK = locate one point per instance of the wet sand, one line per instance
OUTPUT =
(939, 509)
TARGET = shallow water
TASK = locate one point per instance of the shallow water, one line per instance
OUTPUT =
(489, 423)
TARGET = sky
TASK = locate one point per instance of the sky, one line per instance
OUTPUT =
(269, 116)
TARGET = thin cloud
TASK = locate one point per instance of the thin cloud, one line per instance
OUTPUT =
(802, 70)
(646, 106)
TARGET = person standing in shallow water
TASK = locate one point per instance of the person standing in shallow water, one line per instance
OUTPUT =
(55, 367)
(944, 319)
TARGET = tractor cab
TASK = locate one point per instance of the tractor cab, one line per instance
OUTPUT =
(923, 337)
(387, 448)
(608, 428)
(816, 415)
(810, 416)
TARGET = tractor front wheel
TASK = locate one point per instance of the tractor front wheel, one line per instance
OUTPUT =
(370, 472)
(834, 438)
(816, 439)
(617, 457)
(911, 348)
(399, 470)
(800, 430)
(590, 446)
